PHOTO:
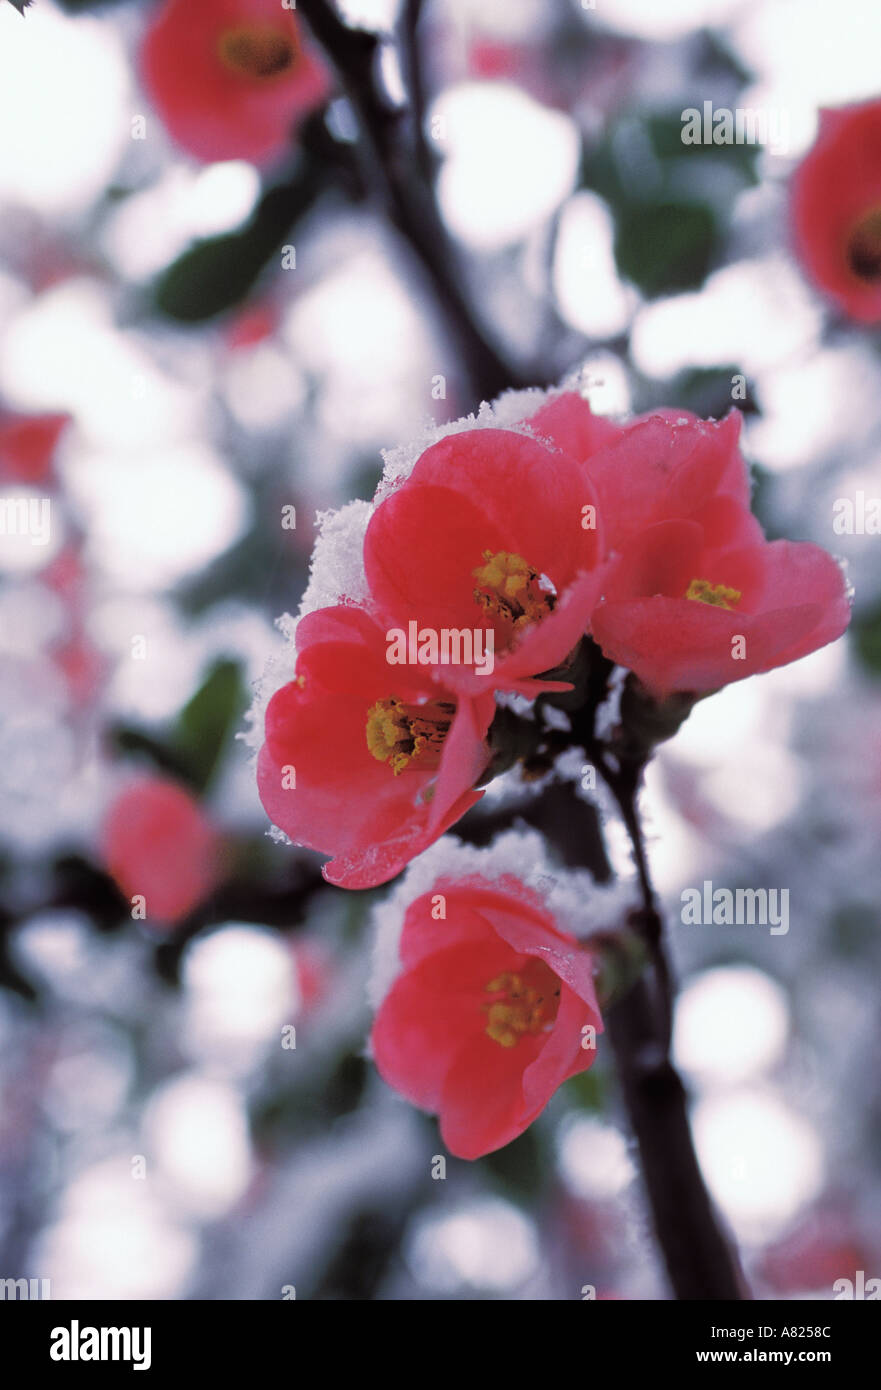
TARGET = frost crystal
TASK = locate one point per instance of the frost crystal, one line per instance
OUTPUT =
(509, 412)
(336, 573)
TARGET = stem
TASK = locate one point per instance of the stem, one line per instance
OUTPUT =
(699, 1259)
(390, 155)
(623, 785)
(414, 79)
(700, 1262)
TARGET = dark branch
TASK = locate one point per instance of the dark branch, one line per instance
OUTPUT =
(698, 1257)
(414, 78)
(387, 147)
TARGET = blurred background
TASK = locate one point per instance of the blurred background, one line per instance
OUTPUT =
(160, 1137)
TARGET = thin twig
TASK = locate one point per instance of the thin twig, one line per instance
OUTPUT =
(414, 76)
(408, 201)
(624, 786)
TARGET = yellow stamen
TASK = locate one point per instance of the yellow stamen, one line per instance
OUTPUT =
(510, 588)
(717, 595)
(528, 1004)
(864, 247)
(257, 51)
(409, 737)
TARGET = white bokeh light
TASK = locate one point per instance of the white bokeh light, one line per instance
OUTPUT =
(361, 333)
(590, 295)
(263, 387)
(157, 517)
(64, 351)
(594, 1158)
(196, 1133)
(751, 315)
(801, 420)
(812, 54)
(509, 162)
(488, 1244)
(649, 19)
(64, 101)
(761, 1160)
(114, 1239)
(731, 1025)
(151, 228)
(241, 988)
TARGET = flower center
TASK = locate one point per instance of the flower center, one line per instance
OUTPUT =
(864, 247)
(409, 737)
(524, 1001)
(508, 588)
(717, 595)
(258, 52)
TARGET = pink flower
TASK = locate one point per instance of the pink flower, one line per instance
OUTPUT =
(835, 206)
(693, 596)
(493, 1009)
(363, 760)
(568, 422)
(656, 467)
(496, 533)
(230, 77)
(157, 843)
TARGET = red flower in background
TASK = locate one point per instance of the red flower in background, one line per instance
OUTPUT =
(158, 843)
(27, 446)
(230, 77)
(835, 204)
(252, 325)
(363, 760)
(83, 666)
(494, 1008)
(313, 969)
(693, 596)
(490, 532)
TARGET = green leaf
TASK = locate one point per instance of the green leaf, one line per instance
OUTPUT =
(205, 723)
(520, 1166)
(707, 391)
(588, 1090)
(218, 273)
(191, 750)
(663, 247)
(866, 637)
(83, 6)
(140, 745)
(670, 201)
(665, 135)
